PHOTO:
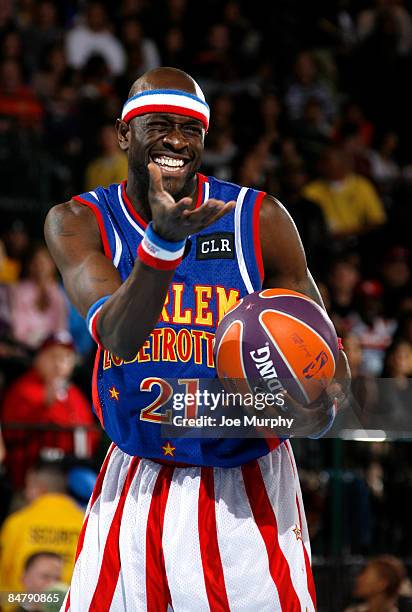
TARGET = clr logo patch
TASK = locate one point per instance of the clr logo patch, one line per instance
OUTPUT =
(216, 246)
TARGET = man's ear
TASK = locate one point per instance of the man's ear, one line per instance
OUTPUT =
(123, 134)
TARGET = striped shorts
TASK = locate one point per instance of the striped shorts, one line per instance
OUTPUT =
(194, 539)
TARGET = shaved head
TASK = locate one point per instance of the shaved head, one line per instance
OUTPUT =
(166, 78)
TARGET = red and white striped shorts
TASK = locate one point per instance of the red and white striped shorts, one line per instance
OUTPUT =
(194, 539)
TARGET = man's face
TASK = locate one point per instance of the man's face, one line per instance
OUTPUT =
(173, 142)
(43, 572)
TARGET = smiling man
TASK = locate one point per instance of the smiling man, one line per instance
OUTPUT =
(154, 263)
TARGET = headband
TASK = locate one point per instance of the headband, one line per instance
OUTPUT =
(172, 101)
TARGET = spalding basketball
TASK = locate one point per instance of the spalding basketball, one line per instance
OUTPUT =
(273, 339)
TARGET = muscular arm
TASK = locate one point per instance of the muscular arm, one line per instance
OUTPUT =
(128, 317)
(285, 262)
(284, 259)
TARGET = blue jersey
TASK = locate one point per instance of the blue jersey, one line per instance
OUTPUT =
(222, 263)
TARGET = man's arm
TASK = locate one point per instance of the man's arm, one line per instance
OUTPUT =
(133, 310)
(284, 259)
(285, 266)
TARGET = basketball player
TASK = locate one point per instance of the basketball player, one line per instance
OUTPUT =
(153, 264)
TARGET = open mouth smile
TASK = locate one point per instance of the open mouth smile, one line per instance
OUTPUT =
(170, 164)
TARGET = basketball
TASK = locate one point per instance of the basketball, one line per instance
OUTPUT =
(273, 339)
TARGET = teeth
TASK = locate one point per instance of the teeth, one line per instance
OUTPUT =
(169, 162)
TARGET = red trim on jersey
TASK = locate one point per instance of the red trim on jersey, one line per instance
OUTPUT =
(95, 390)
(96, 492)
(165, 108)
(99, 217)
(265, 520)
(131, 208)
(256, 233)
(201, 180)
(272, 443)
(209, 546)
(309, 575)
(157, 588)
(155, 262)
(110, 568)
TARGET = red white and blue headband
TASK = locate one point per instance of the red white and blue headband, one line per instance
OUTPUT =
(172, 101)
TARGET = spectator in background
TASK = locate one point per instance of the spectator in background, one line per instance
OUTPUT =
(173, 50)
(62, 128)
(17, 99)
(308, 217)
(353, 120)
(44, 31)
(52, 74)
(352, 144)
(257, 165)
(111, 166)
(269, 114)
(41, 570)
(384, 168)
(404, 329)
(222, 109)
(368, 22)
(51, 521)
(215, 62)
(7, 16)
(367, 321)
(42, 401)
(95, 37)
(379, 584)
(38, 305)
(245, 38)
(219, 154)
(395, 397)
(142, 52)
(363, 386)
(9, 268)
(16, 241)
(174, 14)
(343, 278)
(12, 48)
(268, 123)
(306, 86)
(396, 277)
(134, 8)
(312, 133)
(6, 492)
(349, 201)
(12, 355)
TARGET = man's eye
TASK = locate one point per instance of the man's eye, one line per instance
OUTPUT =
(158, 125)
(193, 129)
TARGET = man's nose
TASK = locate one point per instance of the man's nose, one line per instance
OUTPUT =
(175, 139)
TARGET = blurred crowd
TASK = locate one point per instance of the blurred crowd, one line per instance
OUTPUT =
(308, 102)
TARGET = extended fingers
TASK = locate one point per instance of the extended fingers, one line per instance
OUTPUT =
(155, 175)
(210, 211)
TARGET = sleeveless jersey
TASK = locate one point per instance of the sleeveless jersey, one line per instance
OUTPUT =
(223, 262)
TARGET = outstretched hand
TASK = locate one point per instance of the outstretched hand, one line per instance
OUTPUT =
(314, 419)
(176, 220)
(311, 420)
